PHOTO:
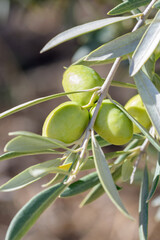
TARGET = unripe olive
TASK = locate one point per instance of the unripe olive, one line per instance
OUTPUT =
(112, 124)
(136, 109)
(79, 77)
(66, 123)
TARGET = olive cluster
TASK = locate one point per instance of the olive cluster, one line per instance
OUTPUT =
(69, 120)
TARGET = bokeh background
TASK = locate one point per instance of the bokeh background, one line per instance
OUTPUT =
(25, 27)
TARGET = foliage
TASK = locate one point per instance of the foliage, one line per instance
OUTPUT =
(140, 47)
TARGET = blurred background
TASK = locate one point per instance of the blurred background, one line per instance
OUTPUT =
(25, 27)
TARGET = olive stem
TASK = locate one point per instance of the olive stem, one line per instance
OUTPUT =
(103, 93)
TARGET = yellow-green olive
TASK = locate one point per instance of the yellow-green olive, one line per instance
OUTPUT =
(112, 124)
(136, 109)
(66, 123)
(79, 77)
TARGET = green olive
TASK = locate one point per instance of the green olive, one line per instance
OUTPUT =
(136, 109)
(79, 77)
(66, 123)
(112, 124)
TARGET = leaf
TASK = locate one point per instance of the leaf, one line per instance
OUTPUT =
(127, 6)
(105, 176)
(13, 154)
(96, 192)
(83, 29)
(35, 102)
(31, 142)
(150, 97)
(118, 47)
(58, 177)
(101, 141)
(82, 185)
(127, 169)
(30, 212)
(26, 177)
(157, 4)
(143, 207)
(134, 143)
(155, 179)
(143, 130)
(147, 45)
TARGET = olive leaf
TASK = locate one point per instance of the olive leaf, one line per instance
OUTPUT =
(81, 185)
(157, 4)
(14, 154)
(31, 142)
(143, 130)
(155, 179)
(127, 6)
(147, 45)
(118, 47)
(83, 29)
(105, 176)
(143, 207)
(37, 101)
(31, 211)
(96, 192)
(26, 177)
(150, 97)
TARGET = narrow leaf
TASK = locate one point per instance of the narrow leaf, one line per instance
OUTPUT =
(96, 192)
(127, 169)
(128, 6)
(13, 154)
(143, 207)
(143, 130)
(155, 179)
(30, 142)
(34, 102)
(30, 212)
(105, 176)
(101, 142)
(83, 29)
(26, 177)
(82, 185)
(118, 47)
(157, 4)
(150, 97)
(147, 45)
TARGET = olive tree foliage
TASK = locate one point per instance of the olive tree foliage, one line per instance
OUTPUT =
(141, 48)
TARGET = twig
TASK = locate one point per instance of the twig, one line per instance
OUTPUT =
(104, 91)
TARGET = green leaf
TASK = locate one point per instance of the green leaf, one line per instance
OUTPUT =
(123, 84)
(143, 207)
(13, 154)
(101, 141)
(30, 212)
(150, 97)
(26, 177)
(96, 192)
(118, 47)
(105, 176)
(82, 185)
(127, 169)
(143, 130)
(134, 143)
(35, 102)
(83, 29)
(31, 142)
(155, 179)
(147, 45)
(128, 6)
(157, 4)
(58, 177)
